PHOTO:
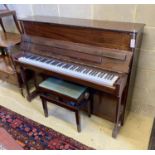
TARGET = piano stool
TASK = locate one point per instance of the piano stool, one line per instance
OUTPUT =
(65, 94)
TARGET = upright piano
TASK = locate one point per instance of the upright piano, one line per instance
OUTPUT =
(101, 55)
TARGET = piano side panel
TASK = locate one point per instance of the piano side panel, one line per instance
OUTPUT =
(104, 38)
(133, 71)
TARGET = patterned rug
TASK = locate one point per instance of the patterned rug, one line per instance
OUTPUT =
(152, 138)
(34, 136)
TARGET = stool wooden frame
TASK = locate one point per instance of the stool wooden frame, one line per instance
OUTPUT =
(60, 100)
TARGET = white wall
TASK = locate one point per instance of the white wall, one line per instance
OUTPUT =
(64, 10)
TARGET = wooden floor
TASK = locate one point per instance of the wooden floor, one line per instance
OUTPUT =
(96, 132)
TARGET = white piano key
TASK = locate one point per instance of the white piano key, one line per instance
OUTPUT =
(68, 71)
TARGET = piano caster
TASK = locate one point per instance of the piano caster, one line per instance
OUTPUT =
(28, 98)
(116, 130)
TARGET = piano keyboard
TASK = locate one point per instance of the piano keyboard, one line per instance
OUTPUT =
(73, 70)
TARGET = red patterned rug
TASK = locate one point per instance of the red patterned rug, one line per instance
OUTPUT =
(34, 136)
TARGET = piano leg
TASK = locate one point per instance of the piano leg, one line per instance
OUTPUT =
(124, 104)
(118, 118)
(20, 84)
(23, 76)
(33, 94)
(78, 121)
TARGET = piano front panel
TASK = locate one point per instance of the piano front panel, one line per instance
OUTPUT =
(104, 106)
(97, 37)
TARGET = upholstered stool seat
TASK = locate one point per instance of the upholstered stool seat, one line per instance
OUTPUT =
(65, 94)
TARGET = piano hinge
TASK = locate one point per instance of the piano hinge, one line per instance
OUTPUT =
(133, 40)
(132, 43)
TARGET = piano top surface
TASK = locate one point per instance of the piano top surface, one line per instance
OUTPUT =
(87, 23)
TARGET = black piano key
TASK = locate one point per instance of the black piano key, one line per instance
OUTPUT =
(39, 58)
(36, 57)
(87, 71)
(106, 77)
(81, 69)
(77, 69)
(55, 62)
(101, 76)
(95, 72)
(71, 65)
(74, 67)
(109, 76)
(44, 60)
(33, 57)
(61, 64)
(91, 73)
(66, 66)
(49, 61)
(112, 77)
(28, 56)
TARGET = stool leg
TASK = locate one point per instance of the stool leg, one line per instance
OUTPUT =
(44, 104)
(78, 121)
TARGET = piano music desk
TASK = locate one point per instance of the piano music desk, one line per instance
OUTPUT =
(64, 94)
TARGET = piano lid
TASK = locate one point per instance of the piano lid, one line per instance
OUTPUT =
(87, 23)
